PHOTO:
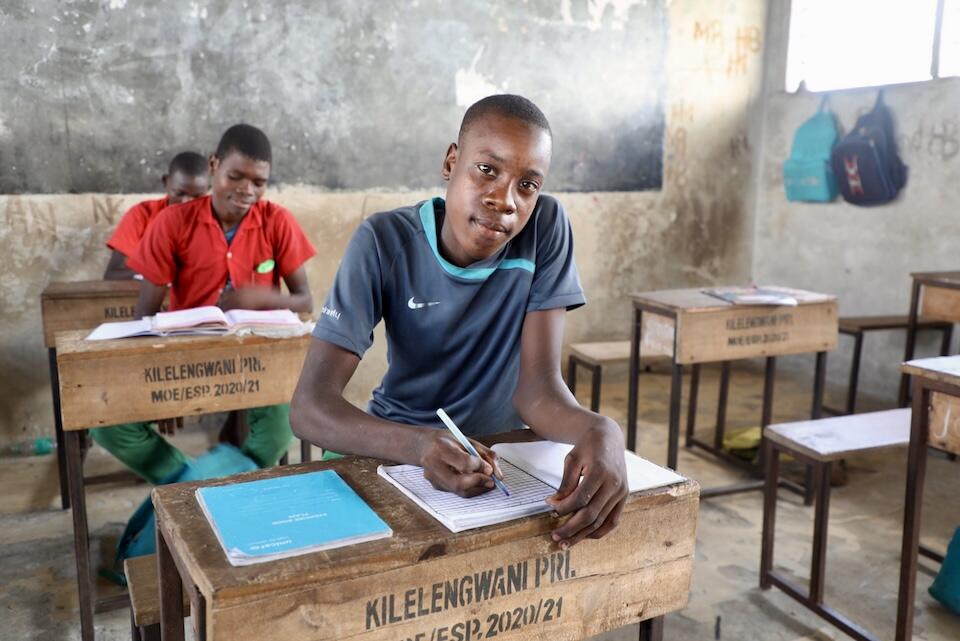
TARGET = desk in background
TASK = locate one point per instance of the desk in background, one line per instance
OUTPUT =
(507, 581)
(141, 379)
(75, 306)
(692, 328)
(935, 422)
(936, 296)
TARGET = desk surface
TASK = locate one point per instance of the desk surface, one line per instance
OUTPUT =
(368, 589)
(945, 279)
(71, 346)
(694, 301)
(945, 369)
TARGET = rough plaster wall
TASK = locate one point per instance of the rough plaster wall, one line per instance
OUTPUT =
(863, 255)
(695, 231)
(353, 94)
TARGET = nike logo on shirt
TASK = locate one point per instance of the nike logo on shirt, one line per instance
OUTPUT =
(412, 304)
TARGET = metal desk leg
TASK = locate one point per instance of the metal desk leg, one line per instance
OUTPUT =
(572, 374)
(306, 451)
(58, 427)
(769, 377)
(634, 381)
(722, 405)
(692, 405)
(816, 411)
(81, 536)
(854, 373)
(913, 502)
(771, 457)
(651, 629)
(676, 391)
(171, 592)
(911, 342)
(818, 561)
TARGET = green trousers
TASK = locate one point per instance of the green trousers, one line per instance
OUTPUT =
(148, 454)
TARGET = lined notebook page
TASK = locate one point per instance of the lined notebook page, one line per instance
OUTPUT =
(527, 495)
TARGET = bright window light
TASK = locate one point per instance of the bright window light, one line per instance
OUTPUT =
(950, 39)
(836, 44)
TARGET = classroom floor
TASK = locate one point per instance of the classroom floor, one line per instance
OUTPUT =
(38, 593)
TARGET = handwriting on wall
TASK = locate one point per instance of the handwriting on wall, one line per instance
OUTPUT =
(939, 140)
(728, 51)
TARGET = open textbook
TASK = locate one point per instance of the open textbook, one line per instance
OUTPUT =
(285, 516)
(532, 471)
(753, 295)
(205, 320)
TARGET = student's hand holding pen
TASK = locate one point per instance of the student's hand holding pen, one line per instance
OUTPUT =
(595, 501)
(449, 467)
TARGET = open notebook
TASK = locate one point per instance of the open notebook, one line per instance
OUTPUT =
(205, 320)
(532, 472)
(285, 516)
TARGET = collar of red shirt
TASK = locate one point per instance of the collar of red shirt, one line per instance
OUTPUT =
(253, 217)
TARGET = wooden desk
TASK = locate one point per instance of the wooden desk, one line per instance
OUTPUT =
(426, 583)
(141, 379)
(935, 295)
(74, 306)
(693, 328)
(936, 385)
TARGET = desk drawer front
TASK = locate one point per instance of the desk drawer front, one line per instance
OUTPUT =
(945, 422)
(169, 383)
(748, 332)
(515, 591)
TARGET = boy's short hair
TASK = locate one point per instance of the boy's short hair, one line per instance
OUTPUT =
(509, 105)
(188, 163)
(247, 140)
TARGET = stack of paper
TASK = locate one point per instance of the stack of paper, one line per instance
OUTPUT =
(289, 515)
(532, 472)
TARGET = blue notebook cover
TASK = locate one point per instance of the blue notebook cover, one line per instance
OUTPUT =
(289, 515)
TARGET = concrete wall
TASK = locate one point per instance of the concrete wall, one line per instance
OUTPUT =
(863, 255)
(696, 230)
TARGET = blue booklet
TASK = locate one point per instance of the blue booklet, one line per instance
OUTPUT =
(288, 515)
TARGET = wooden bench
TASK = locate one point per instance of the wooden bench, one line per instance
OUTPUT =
(857, 326)
(819, 443)
(143, 586)
(594, 356)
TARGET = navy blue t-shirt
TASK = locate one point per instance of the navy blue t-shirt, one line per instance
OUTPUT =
(453, 333)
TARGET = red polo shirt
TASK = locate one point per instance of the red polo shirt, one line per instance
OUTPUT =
(185, 246)
(134, 223)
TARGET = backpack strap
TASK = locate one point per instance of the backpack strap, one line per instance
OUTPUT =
(824, 103)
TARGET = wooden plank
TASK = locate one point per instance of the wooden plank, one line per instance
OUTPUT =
(639, 571)
(83, 305)
(736, 332)
(940, 303)
(878, 323)
(830, 439)
(141, 572)
(938, 278)
(143, 379)
(945, 422)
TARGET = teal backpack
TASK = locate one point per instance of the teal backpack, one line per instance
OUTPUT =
(807, 175)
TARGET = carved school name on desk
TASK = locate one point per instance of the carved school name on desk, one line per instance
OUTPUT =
(469, 589)
(773, 328)
(202, 369)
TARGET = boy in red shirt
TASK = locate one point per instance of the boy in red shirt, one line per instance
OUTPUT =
(229, 249)
(187, 177)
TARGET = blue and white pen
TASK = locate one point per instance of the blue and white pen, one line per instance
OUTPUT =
(467, 445)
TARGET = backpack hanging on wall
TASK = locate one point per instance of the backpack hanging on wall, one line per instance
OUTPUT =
(865, 161)
(807, 175)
